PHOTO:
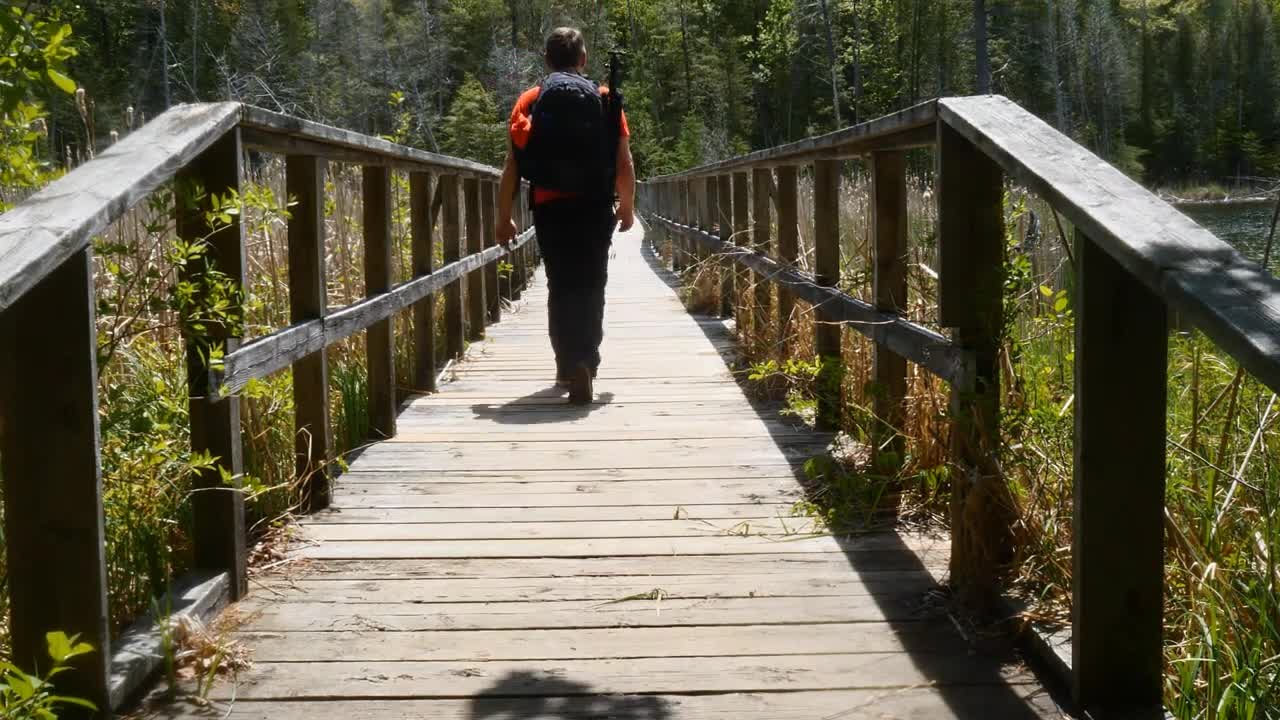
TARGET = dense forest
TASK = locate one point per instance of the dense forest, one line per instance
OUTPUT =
(1172, 91)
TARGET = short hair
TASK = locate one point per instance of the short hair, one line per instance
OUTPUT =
(565, 46)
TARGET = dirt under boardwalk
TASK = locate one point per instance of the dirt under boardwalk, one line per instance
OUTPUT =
(508, 556)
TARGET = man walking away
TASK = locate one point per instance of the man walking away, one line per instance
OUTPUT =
(575, 153)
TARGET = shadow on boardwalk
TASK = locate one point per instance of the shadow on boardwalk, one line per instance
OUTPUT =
(907, 615)
(560, 699)
(549, 405)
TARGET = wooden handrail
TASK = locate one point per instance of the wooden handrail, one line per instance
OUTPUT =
(1136, 258)
(48, 374)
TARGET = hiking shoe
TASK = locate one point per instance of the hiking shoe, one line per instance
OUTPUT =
(580, 392)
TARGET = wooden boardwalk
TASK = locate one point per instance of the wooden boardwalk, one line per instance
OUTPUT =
(509, 557)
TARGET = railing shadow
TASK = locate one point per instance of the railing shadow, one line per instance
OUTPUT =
(529, 695)
(973, 681)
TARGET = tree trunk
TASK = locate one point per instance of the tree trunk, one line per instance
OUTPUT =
(980, 46)
(831, 58)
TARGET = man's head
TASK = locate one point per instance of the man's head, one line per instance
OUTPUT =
(566, 49)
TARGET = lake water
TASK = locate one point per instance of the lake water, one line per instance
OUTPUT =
(1245, 225)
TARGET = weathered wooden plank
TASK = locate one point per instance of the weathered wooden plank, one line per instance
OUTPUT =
(1119, 471)
(422, 250)
(734, 512)
(932, 559)
(304, 180)
(217, 506)
(277, 130)
(1233, 300)
(507, 645)
(761, 228)
(453, 311)
(51, 226)
(787, 203)
(52, 478)
(600, 547)
(670, 527)
(949, 703)
(379, 337)
(971, 248)
(724, 223)
(840, 583)
(634, 675)
(828, 337)
(918, 344)
(865, 137)
(477, 306)
(636, 612)
(889, 287)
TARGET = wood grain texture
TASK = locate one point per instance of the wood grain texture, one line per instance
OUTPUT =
(454, 318)
(380, 348)
(828, 335)
(1230, 298)
(509, 543)
(49, 227)
(477, 307)
(422, 250)
(313, 436)
(786, 200)
(51, 473)
(889, 288)
(218, 519)
(1119, 485)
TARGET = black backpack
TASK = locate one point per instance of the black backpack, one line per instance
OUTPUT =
(570, 148)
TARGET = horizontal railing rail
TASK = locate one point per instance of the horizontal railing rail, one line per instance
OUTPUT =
(1136, 258)
(48, 367)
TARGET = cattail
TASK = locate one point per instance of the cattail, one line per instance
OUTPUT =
(81, 104)
(128, 117)
(115, 137)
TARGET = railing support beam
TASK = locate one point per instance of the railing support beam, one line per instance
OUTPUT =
(53, 520)
(827, 332)
(1119, 482)
(889, 288)
(453, 322)
(762, 309)
(488, 225)
(788, 248)
(477, 310)
(422, 250)
(379, 339)
(217, 508)
(304, 180)
(724, 221)
(971, 258)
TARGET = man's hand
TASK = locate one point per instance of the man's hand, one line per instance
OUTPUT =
(626, 215)
(506, 231)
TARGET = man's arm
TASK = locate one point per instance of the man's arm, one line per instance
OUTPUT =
(507, 189)
(625, 185)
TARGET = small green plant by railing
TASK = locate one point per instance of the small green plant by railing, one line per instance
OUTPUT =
(31, 697)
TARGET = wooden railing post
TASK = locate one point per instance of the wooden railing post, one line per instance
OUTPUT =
(518, 259)
(788, 249)
(889, 288)
(971, 280)
(710, 216)
(304, 181)
(488, 218)
(827, 332)
(1119, 485)
(476, 305)
(724, 220)
(53, 523)
(422, 250)
(762, 310)
(217, 507)
(680, 251)
(742, 233)
(453, 323)
(379, 341)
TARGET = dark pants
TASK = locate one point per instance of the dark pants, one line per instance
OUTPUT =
(574, 239)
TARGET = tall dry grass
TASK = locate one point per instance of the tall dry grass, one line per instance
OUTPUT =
(1222, 603)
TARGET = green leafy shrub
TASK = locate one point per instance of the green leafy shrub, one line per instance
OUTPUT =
(31, 697)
